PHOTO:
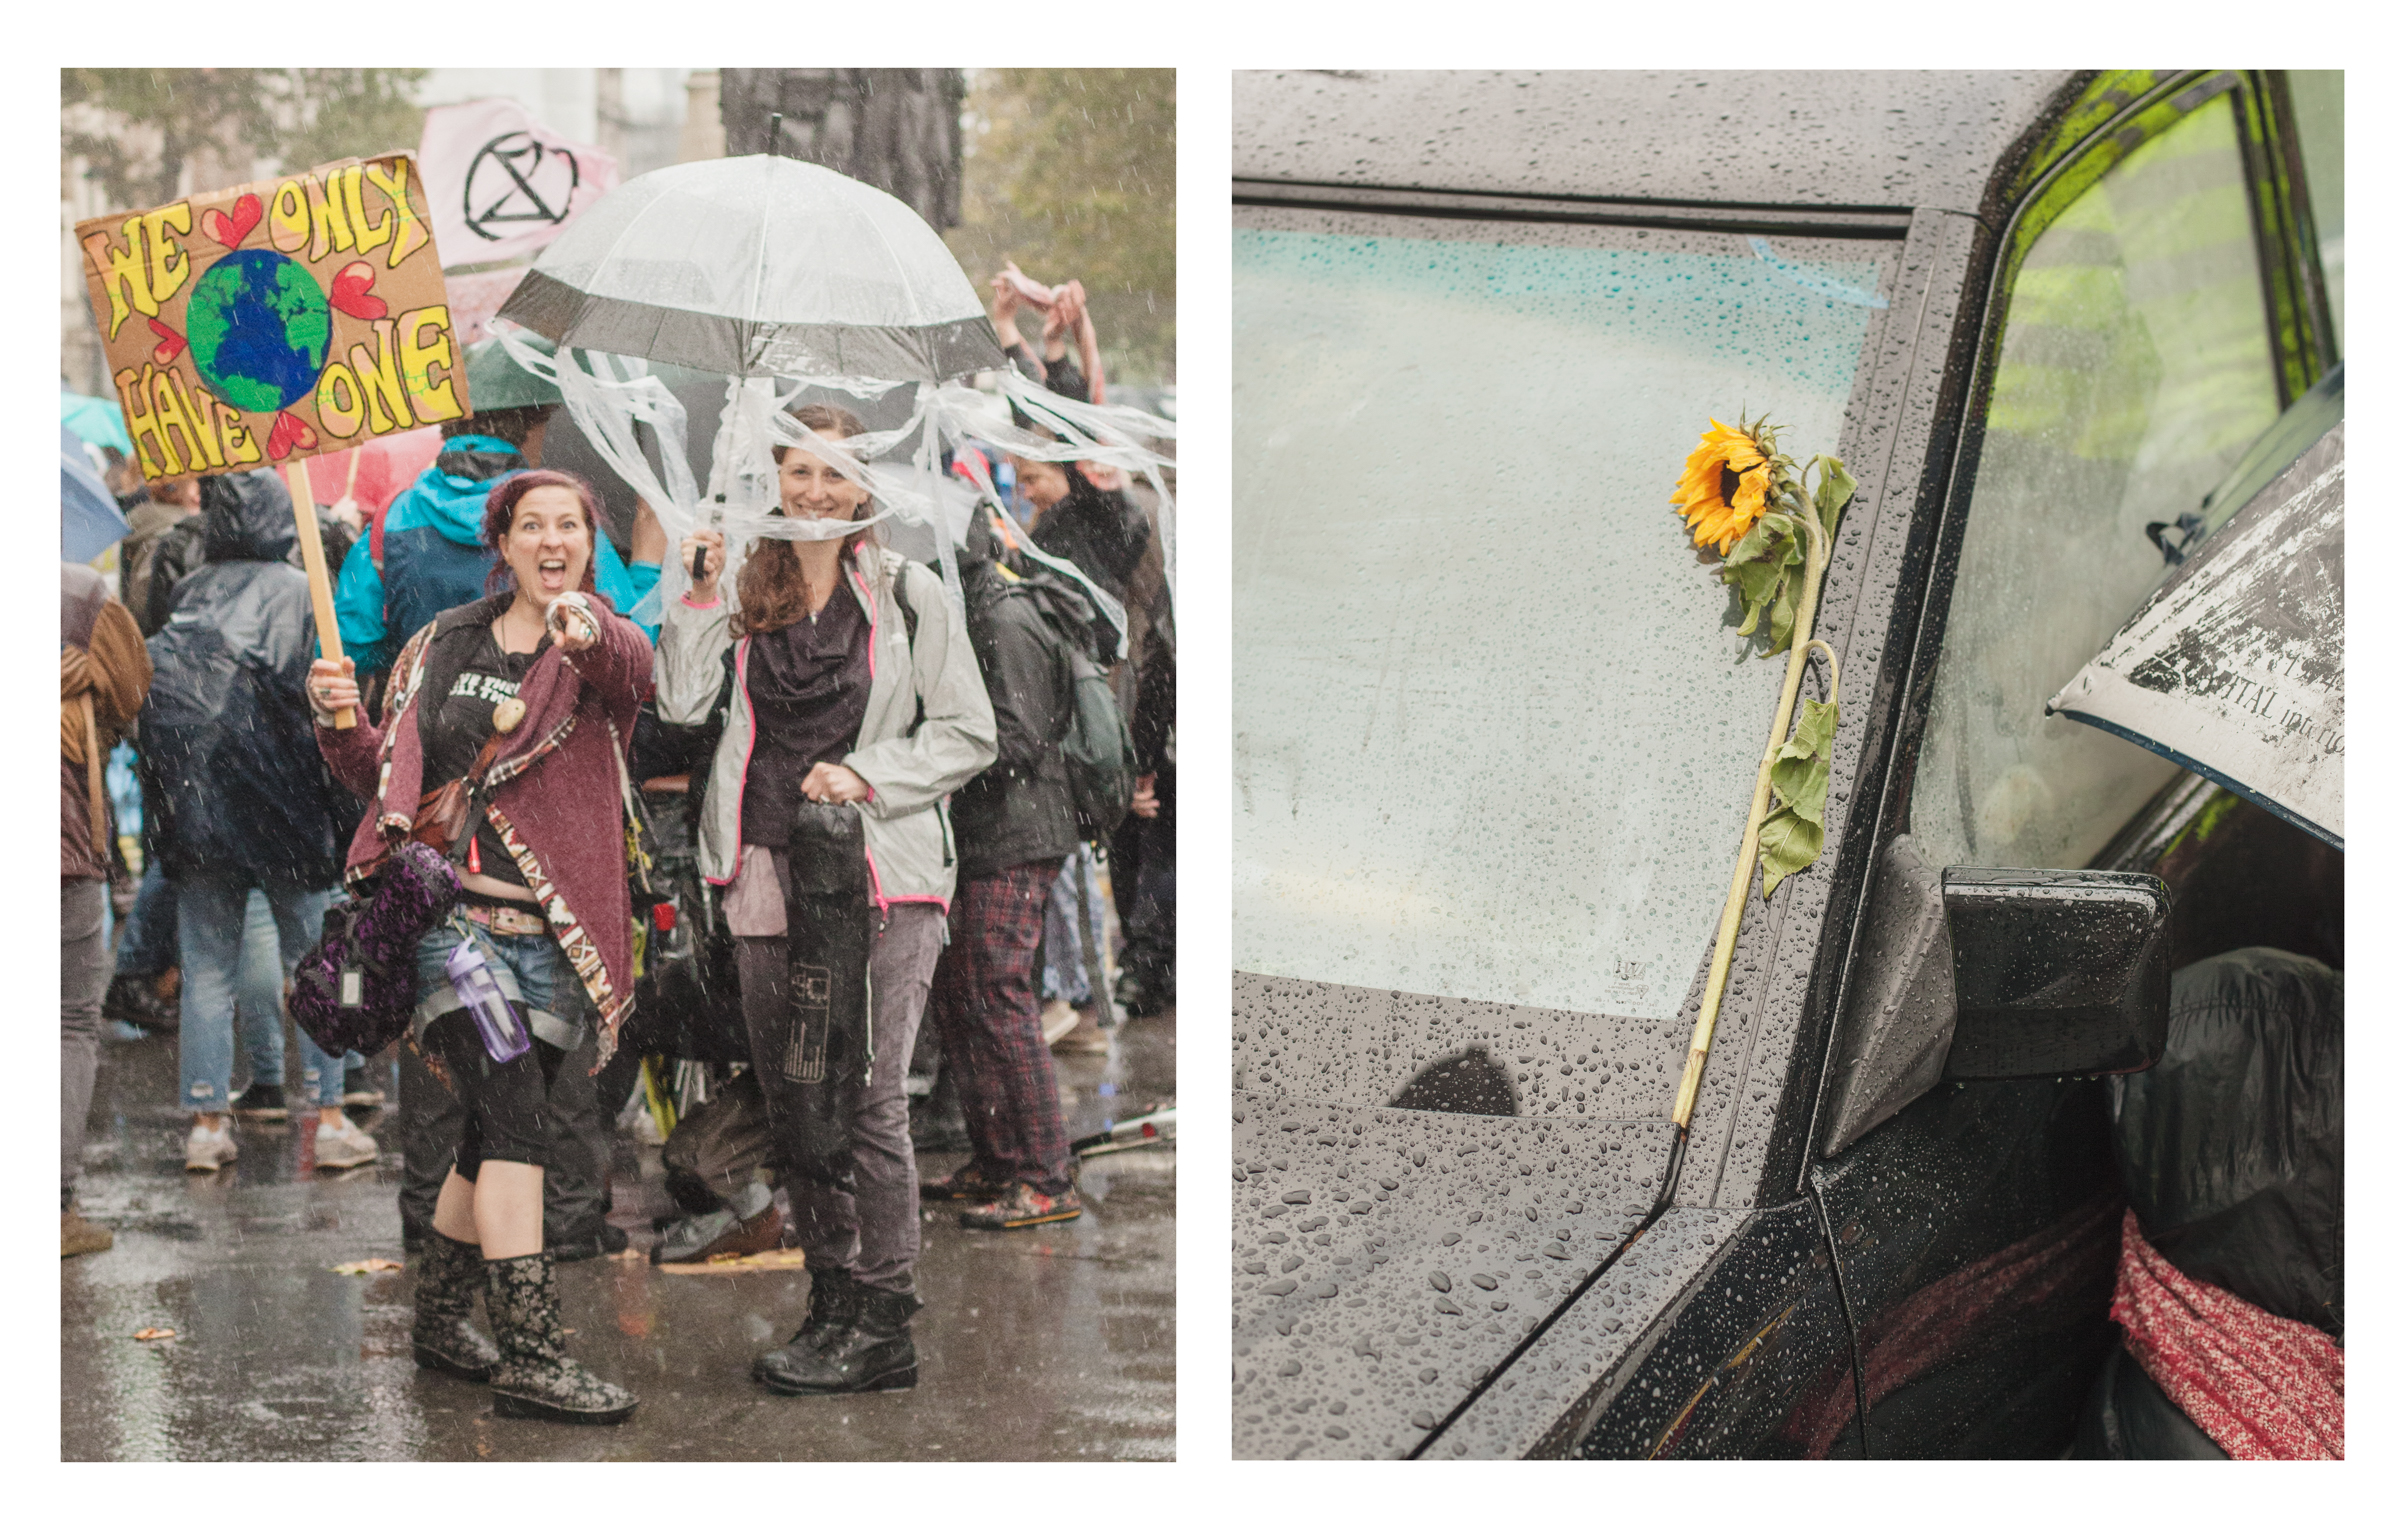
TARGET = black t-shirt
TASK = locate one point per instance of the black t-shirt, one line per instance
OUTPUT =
(452, 731)
(808, 692)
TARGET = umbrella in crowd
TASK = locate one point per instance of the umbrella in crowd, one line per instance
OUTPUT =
(2233, 667)
(760, 266)
(97, 420)
(784, 276)
(89, 521)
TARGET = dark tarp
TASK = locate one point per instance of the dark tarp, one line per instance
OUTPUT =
(231, 778)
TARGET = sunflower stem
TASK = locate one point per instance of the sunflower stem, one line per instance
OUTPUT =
(1729, 923)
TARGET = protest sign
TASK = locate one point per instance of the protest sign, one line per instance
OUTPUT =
(500, 183)
(272, 322)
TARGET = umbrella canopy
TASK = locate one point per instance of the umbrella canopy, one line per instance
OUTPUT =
(372, 474)
(89, 521)
(97, 420)
(2233, 668)
(756, 267)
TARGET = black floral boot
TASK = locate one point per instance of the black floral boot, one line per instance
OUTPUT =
(449, 1273)
(871, 1353)
(534, 1378)
(833, 1298)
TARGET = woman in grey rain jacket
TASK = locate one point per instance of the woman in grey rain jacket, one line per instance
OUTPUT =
(855, 709)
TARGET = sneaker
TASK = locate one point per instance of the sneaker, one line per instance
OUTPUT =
(345, 1146)
(1024, 1206)
(697, 1240)
(137, 1001)
(76, 1236)
(356, 1091)
(206, 1151)
(262, 1102)
(964, 1183)
(1086, 1039)
(1058, 1018)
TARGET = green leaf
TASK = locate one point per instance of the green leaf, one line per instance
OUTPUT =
(1755, 544)
(1756, 583)
(1779, 524)
(1834, 488)
(1787, 843)
(1814, 735)
(1779, 623)
(1801, 784)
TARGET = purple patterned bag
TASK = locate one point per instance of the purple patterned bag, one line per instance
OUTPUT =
(356, 988)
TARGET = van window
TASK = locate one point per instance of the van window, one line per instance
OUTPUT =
(2317, 103)
(1494, 736)
(2133, 372)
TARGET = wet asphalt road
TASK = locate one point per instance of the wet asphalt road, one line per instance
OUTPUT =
(1055, 1343)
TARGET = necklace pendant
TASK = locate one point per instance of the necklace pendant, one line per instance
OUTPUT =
(507, 715)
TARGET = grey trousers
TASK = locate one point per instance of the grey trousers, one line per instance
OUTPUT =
(873, 1231)
(82, 980)
(574, 1187)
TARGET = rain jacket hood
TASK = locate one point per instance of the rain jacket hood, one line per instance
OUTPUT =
(449, 496)
(246, 518)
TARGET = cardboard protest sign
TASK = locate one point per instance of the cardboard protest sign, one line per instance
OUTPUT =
(276, 321)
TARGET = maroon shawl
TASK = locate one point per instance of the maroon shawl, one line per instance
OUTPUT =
(555, 794)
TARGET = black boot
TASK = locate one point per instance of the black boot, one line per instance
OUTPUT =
(872, 1352)
(833, 1298)
(449, 1273)
(534, 1378)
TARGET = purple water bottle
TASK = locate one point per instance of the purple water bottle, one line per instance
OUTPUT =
(504, 1037)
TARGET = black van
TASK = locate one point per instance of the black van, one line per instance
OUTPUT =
(1494, 735)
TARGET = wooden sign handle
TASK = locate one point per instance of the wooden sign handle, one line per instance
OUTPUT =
(320, 583)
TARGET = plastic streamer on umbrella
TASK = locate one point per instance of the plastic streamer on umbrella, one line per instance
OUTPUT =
(607, 396)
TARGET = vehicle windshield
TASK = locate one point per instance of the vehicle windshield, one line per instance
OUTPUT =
(1494, 734)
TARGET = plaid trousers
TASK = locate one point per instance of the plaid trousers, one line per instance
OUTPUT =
(991, 1028)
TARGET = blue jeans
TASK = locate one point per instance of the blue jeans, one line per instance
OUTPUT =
(1063, 975)
(213, 927)
(147, 948)
(544, 980)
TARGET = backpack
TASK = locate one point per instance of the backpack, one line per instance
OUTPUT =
(1098, 750)
(1098, 746)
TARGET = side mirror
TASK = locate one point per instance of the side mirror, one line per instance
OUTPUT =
(2056, 972)
(1994, 974)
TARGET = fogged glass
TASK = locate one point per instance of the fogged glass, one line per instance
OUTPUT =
(1494, 738)
(2133, 373)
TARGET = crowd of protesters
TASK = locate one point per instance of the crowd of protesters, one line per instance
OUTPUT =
(873, 791)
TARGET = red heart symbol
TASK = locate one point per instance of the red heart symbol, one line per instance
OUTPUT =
(290, 433)
(231, 228)
(352, 292)
(170, 344)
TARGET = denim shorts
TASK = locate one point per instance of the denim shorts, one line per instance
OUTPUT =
(532, 970)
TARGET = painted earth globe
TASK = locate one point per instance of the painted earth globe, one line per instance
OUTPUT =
(259, 328)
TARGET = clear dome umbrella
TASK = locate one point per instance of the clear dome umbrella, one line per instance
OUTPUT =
(783, 276)
(760, 266)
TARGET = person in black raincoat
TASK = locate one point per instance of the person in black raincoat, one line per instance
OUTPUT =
(1016, 825)
(239, 797)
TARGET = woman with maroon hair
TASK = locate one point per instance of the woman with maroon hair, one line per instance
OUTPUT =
(856, 709)
(531, 692)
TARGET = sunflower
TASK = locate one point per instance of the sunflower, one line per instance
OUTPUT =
(1725, 482)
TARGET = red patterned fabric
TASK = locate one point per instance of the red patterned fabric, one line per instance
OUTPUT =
(2265, 1388)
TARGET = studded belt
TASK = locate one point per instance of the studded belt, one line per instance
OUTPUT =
(501, 920)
